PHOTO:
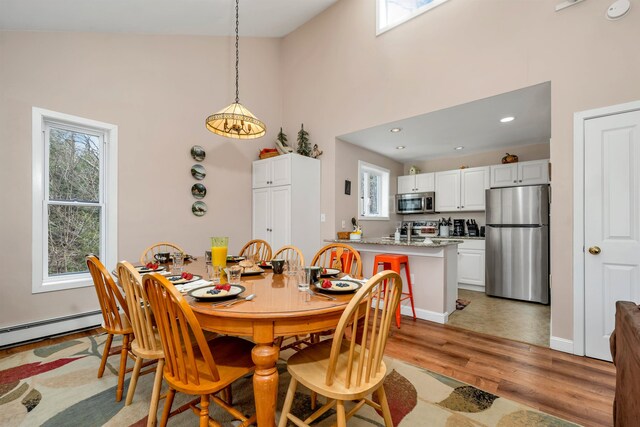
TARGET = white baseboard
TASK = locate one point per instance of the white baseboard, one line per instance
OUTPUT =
(469, 287)
(20, 333)
(561, 344)
(432, 316)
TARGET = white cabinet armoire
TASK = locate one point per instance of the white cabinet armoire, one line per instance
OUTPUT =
(286, 202)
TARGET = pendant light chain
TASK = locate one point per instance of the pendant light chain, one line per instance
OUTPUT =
(237, 53)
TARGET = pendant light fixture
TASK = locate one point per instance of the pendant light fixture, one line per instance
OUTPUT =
(236, 121)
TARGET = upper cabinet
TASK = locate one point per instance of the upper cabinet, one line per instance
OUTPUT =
(272, 171)
(461, 189)
(418, 183)
(522, 173)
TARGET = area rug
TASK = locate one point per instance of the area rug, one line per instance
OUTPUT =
(57, 386)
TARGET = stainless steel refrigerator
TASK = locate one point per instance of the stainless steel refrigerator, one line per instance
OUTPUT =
(517, 243)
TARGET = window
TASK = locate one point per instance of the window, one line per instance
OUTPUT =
(391, 13)
(373, 190)
(74, 198)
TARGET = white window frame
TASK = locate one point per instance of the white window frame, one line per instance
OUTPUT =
(380, 9)
(383, 198)
(41, 282)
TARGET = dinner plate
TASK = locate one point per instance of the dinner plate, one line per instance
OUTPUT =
(143, 269)
(267, 264)
(178, 280)
(247, 273)
(235, 258)
(329, 272)
(206, 293)
(339, 286)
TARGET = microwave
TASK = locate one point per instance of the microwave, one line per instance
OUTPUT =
(415, 203)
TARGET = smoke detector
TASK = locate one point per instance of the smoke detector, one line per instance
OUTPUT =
(618, 9)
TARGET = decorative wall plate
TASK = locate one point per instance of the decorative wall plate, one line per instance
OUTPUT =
(198, 172)
(199, 191)
(199, 208)
(198, 153)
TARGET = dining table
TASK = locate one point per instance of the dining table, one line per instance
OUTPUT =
(278, 309)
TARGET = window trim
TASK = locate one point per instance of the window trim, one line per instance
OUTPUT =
(109, 167)
(417, 12)
(384, 197)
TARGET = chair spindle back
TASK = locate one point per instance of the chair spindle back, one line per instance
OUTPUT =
(109, 295)
(180, 332)
(140, 314)
(368, 316)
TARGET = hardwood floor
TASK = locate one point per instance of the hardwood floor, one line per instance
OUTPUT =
(575, 388)
(578, 389)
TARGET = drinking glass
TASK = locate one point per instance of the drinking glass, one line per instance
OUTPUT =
(291, 268)
(304, 279)
(213, 273)
(219, 247)
(178, 263)
(233, 274)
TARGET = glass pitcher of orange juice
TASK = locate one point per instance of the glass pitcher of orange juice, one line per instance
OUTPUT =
(219, 251)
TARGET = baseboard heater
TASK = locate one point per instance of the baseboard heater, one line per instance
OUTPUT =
(18, 334)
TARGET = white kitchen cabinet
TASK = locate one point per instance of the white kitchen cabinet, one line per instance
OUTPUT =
(521, 173)
(471, 265)
(418, 183)
(271, 172)
(461, 189)
(287, 214)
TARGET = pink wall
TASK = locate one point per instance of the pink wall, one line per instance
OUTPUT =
(158, 90)
(341, 78)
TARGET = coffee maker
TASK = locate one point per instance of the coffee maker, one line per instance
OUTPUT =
(458, 227)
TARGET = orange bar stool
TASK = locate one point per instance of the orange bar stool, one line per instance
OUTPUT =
(395, 262)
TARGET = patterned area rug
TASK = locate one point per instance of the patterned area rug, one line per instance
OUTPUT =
(57, 386)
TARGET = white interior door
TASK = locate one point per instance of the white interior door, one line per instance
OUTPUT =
(611, 223)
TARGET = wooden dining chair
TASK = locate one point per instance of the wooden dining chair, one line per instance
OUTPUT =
(193, 365)
(290, 253)
(340, 256)
(114, 322)
(147, 254)
(146, 344)
(257, 248)
(349, 368)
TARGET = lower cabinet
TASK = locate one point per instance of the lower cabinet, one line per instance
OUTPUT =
(272, 215)
(471, 265)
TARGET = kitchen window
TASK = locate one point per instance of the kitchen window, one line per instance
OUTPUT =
(373, 190)
(391, 13)
(74, 198)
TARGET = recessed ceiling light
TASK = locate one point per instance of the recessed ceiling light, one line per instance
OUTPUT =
(507, 119)
(395, 130)
(459, 148)
(400, 147)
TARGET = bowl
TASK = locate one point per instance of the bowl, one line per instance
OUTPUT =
(355, 236)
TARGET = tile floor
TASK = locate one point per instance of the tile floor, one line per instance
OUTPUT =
(516, 320)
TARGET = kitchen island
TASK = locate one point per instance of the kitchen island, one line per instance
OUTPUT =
(434, 270)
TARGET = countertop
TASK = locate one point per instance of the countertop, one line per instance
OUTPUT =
(458, 238)
(436, 242)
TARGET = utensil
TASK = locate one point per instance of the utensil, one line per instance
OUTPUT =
(230, 303)
(247, 298)
(313, 294)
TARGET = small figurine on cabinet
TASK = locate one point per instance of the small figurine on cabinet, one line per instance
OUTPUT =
(413, 170)
(315, 151)
(510, 158)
